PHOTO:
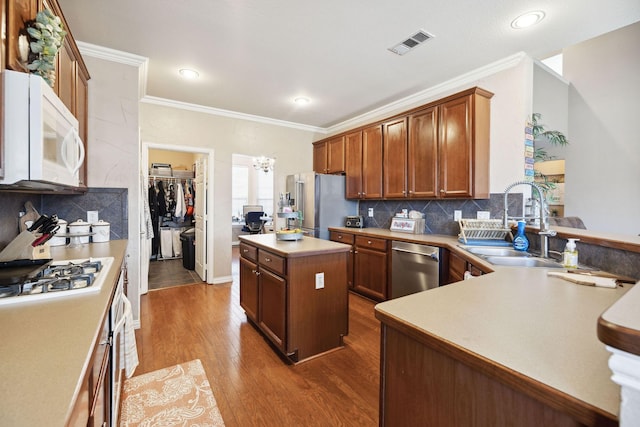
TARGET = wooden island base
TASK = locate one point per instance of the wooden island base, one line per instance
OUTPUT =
(295, 293)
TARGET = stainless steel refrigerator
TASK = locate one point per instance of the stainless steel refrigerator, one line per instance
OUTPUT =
(321, 198)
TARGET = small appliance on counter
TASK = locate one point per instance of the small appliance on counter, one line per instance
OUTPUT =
(354, 221)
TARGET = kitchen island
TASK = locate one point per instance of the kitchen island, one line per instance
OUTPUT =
(514, 347)
(295, 292)
(48, 348)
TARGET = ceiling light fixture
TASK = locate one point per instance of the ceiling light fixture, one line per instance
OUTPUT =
(189, 74)
(302, 100)
(527, 19)
(264, 163)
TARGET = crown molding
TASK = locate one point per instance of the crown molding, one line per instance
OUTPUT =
(120, 57)
(429, 94)
(228, 113)
(408, 102)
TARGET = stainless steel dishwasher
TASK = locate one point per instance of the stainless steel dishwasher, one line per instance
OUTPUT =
(414, 268)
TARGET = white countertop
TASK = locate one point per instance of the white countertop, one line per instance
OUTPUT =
(46, 345)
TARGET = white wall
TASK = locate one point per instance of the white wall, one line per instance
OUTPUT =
(602, 181)
(291, 148)
(113, 157)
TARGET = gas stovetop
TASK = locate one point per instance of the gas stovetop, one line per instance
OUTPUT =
(59, 279)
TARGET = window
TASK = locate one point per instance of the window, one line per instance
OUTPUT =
(239, 189)
(250, 186)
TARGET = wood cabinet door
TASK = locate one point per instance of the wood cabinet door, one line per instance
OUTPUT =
(353, 164)
(66, 77)
(335, 155)
(422, 157)
(17, 13)
(394, 156)
(370, 273)
(372, 162)
(273, 307)
(457, 267)
(320, 157)
(456, 148)
(347, 238)
(249, 288)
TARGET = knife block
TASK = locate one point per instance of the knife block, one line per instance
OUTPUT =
(39, 252)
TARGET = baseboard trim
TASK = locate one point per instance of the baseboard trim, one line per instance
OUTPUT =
(221, 280)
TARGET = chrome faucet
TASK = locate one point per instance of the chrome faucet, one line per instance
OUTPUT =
(544, 232)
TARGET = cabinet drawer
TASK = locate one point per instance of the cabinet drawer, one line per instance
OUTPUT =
(273, 262)
(248, 252)
(337, 236)
(371, 242)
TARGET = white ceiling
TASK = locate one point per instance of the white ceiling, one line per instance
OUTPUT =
(256, 56)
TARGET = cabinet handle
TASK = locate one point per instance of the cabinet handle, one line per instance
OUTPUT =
(244, 251)
(340, 236)
(355, 252)
(368, 242)
(443, 191)
(267, 259)
(257, 273)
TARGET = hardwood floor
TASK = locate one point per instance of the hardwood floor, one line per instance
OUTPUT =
(251, 383)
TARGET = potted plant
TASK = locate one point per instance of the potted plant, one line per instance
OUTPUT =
(553, 137)
(46, 35)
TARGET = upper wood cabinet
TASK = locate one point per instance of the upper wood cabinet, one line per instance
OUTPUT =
(463, 145)
(353, 164)
(422, 158)
(395, 158)
(363, 164)
(320, 157)
(329, 155)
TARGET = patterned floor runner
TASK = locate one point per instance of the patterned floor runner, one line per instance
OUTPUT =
(176, 396)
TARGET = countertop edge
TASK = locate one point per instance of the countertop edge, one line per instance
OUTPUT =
(292, 252)
(617, 329)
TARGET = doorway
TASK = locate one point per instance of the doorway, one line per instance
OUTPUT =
(203, 211)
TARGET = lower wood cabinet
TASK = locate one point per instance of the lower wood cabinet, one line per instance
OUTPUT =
(371, 267)
(349, 239)
(273, 307)
(284, 297)
(458, 266)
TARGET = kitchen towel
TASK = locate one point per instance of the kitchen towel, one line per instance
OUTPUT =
(128, 348)
(580, 279)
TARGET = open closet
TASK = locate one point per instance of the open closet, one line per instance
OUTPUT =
(171, 204)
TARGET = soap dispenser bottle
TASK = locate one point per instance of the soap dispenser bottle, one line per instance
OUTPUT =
(570, 254)
(520, 242)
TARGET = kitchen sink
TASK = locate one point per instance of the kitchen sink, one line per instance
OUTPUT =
(520, 261)
(495, 251)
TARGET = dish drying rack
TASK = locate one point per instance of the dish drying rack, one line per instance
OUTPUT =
(482, 229)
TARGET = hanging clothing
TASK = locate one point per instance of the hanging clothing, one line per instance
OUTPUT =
(180, 207)
(162, 200)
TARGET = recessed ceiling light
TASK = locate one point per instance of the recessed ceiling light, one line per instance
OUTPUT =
(302, 100)
(527, 19)
(189, 74)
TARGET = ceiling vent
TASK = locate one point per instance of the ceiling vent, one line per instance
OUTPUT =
(410, 43)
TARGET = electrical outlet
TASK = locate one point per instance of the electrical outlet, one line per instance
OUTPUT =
(483, 215)
(457, 215)
(370, 212)
(319, 280)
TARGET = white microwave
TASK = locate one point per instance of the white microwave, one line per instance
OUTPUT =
(41, 140)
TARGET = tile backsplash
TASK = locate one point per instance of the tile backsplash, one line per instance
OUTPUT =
(111, 204)
(438, 214)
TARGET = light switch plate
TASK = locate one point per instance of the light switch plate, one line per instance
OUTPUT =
(457, 215)
(319, 280)
(370, 212)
